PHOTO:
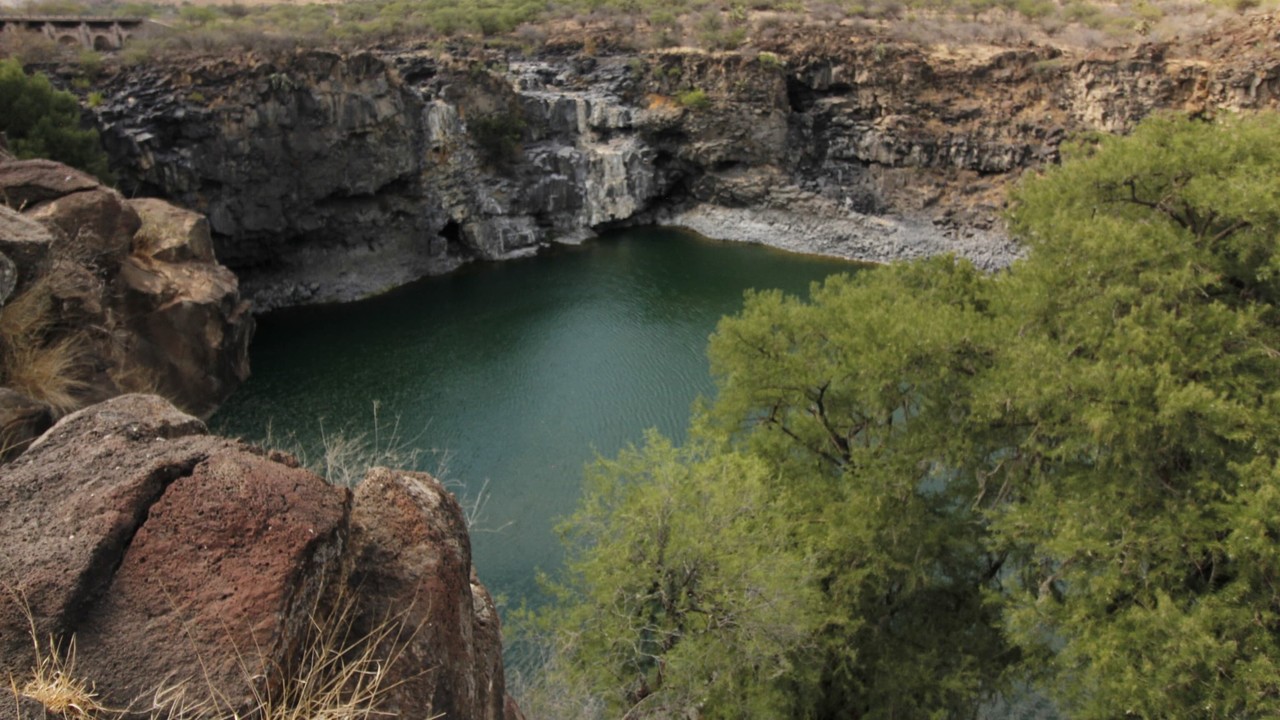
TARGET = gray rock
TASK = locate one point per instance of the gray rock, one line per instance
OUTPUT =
(8, 278)
(26, 242)
(376, 158)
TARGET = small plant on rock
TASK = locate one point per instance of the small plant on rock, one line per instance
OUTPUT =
(694, 99)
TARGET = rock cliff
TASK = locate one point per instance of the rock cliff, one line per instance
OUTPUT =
(199, 576)
(329, 176)
(101, 295)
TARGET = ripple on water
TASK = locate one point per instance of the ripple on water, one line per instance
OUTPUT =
(516, 374)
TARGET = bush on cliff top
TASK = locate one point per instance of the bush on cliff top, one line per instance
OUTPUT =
(40, 121)
(640, 23)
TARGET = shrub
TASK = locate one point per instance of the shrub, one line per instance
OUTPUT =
(40, 121)
(694, 99)
(770, 60)
(31, 48)
(497, 135)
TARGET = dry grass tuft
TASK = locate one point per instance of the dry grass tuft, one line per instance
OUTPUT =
(342, 457)
(55, 686)
(34, 359)
(53, 682)
(47, 373)
(341, 674)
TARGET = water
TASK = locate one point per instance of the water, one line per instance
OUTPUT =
(513, 376)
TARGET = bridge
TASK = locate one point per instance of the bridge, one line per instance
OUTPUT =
(95, 33)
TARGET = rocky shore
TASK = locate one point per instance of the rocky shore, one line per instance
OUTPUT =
(826, 230)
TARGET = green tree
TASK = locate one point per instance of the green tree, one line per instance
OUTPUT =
(857, 399)
(813, 468)
(685, 594)
(1064, 474)
(1145, 373)
(39, 121)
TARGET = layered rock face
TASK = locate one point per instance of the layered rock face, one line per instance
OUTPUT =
(109, 295)
(326, 177)
(200, 573)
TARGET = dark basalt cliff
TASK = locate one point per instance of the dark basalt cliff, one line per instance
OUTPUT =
(326, 177)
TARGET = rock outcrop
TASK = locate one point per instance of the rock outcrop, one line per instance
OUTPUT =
(327, 177)
(194, 571)
(111, 295)
(411, 560)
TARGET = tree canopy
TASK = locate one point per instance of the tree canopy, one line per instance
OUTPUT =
(924, 485)
(40, 121)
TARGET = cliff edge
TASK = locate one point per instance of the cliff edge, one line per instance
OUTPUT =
(102, 295)
(328, 176)
(188, 574)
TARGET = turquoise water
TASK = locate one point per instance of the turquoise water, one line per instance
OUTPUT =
(511, 377)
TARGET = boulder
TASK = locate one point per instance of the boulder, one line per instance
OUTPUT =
(196, 573)
(188, 329)
(411, 564)
(98, 224)
(216, 591)
(69, 506)
(171, 234)
(147, 303)
(172, 556)
(27, 183)
(486, 631)
(26, 242)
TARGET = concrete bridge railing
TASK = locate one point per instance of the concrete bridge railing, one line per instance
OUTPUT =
(95, 33)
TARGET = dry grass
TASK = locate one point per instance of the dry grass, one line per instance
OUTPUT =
(55, 686)
(341, 674)
(133, 378)
(343, 456)
(53, 682)
(34, 359)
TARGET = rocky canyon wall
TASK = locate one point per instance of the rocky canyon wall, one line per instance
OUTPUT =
(330, 176)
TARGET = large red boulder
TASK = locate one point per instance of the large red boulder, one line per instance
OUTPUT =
(198, 573)
(218, 586)
(70, 505)
(173, 557)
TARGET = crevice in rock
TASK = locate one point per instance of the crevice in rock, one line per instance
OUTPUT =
(107, 557)
(800, 97)
(452, 234)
